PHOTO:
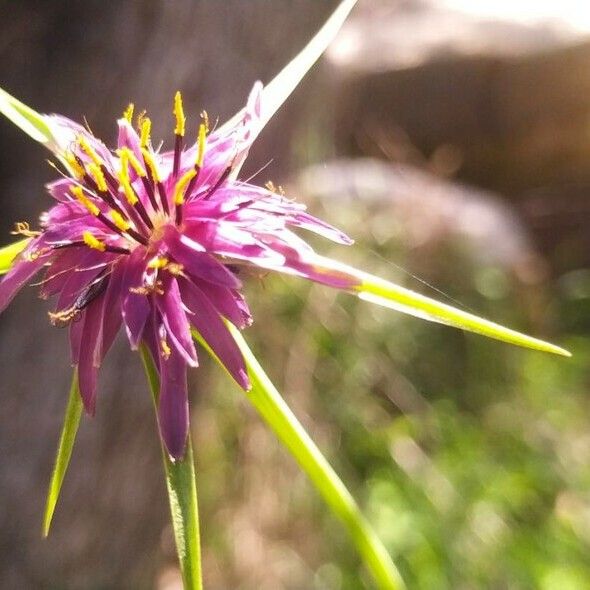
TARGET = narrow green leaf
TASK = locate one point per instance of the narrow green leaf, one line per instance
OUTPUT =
(64, 451)
(270, 405)
(182, 494)
(376, 290)
(32, 123)
(279, 89)
(9, 253)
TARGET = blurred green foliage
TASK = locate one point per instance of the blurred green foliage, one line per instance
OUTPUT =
(469, 456)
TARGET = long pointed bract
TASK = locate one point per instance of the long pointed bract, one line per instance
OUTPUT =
(270, 405)
(64, 452)
(282, 85)
(388, 294)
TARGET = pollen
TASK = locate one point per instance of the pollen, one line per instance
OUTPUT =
(166, 352)
(179, 114)
(128, 113)
(201, 144)
(84, 200)
(124, 179)
(98, 177)
(135, 163)
(151, 164)
(93, 242)
(89, 150)
(158, 262)
(145, 130)
(73, 164)
(120, 221)
(181, 186)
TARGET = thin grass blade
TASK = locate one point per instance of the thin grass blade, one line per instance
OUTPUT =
(64, 452)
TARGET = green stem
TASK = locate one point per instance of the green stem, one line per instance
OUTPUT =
(270, 405)
(182, 494)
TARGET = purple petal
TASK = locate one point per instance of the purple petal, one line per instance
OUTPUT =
(212, 328)
(22, 272)
(175, 320)
(89, 358)
(200, 264)
(173, 412)
(135, 306)
(229, 303)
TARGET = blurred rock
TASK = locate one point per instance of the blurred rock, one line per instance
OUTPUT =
(500, 103)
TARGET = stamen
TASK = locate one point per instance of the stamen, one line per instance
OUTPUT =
(89, 150)
(119, 221)
(219, 182)
(131, 159)
(128, 113)
(178, 131)
(146, 127)
(130, 194)
(74, 165)
(93, 242)
(179, 189)
(78, 193)
(155, 178)
(179, 114)
(151, 165)
(179, 192)
(141, 172)
(201, 145)
(98, 177)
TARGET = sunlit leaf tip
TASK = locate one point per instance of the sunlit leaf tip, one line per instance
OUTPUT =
(25, 118)
(64, 452)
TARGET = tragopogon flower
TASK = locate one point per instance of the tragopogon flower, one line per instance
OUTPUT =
(158, 242)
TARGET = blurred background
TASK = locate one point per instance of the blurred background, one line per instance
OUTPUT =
(451, 139)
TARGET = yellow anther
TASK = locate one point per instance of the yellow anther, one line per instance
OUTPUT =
(75, 167)
(128, 190)
(181, 186)
(179, 114)
(84, 200)
(128, 113)
(124, 180)
(89, 150)
(166, 352)
(201, 144)
(146, 128)
(135, 163)
(120, 221)
(98, 177)
(151, 164)
(158, 262)
(93, 242)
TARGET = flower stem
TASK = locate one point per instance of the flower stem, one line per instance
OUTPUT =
(270, 405)
(182, 494)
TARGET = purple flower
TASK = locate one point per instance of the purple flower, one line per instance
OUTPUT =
(158, 243)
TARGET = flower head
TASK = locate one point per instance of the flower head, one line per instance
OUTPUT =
(158, 242)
